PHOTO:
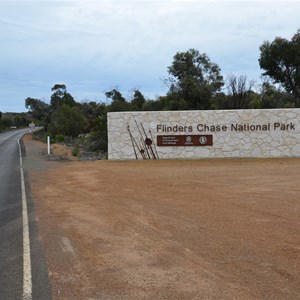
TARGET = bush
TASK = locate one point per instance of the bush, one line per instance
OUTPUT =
(39, 135)
(75, 151)
(59, 138)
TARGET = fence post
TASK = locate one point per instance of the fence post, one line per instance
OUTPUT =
(48, 142)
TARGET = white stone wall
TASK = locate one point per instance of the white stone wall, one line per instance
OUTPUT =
(235, 133)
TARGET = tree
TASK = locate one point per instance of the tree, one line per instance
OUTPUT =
(38, 110)
(99, 130)
(1, 126)
(281, 61)
(118, 102)
(68, 121)
(96, 115)
(194, 78)
(7, 122)
(60, 96)
(115, 95)
(239, 92)
(273, 97)
(137, 101)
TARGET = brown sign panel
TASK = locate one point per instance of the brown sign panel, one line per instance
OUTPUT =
(184, 140)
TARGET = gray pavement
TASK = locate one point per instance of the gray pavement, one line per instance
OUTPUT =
(11, 227)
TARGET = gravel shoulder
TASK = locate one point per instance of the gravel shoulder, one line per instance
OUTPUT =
(203, 229)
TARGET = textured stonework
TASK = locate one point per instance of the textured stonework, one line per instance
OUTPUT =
(235, 133)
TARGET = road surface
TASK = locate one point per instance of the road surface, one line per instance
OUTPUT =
(23, 272)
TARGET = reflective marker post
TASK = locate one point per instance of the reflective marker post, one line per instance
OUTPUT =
(48, 142)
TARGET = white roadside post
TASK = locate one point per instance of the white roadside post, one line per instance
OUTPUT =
(48, 142)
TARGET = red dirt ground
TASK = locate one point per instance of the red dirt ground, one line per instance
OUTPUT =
(203, 229)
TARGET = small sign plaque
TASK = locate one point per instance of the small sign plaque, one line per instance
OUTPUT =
(184, 140)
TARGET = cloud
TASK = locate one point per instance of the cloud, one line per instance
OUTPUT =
(92, 46)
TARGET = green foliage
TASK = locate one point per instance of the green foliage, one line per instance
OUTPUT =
(255, 101)
(195, 79)
(60, 138)
(169, 102)
(1, 125)
(39, 111)
(68, 121)
(118, 102)
(8, 122)
(96, 115)
(273, 97)
(281, 61)
(75, 151)
(138, 101)
(17, 120)
(61, 97)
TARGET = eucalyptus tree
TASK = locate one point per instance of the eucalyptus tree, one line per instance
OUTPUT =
(39, 111)
(194, 78)
(61, 96)
(118, 102)
(281, 61)
(138, 100)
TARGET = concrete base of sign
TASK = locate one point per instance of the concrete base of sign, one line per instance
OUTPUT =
(204, 134)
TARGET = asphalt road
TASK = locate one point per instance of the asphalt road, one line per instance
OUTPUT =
(12, 258)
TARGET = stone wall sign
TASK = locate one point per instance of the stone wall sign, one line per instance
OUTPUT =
(204, 134)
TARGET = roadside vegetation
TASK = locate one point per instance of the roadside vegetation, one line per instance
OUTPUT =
(194, 83)
(11, 121)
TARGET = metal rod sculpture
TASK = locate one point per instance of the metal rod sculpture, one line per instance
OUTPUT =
(144, 145)
(132, 141)
(135, 144)
(153, 143)
(142, 139)
(148, 142)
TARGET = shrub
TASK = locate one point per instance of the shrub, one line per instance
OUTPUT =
(59, 138)
(75, 151)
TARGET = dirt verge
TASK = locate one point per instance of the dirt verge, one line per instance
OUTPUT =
(210, 229)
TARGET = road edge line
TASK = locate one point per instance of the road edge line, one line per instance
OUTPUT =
(27, 277)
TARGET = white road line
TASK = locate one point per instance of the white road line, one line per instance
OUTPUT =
(27, 279)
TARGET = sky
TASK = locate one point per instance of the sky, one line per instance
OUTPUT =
(95, 46)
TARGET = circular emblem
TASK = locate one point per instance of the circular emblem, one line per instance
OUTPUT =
(202, 140)
(188, 139)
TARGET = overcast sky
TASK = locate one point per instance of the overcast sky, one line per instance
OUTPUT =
(94, 46)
